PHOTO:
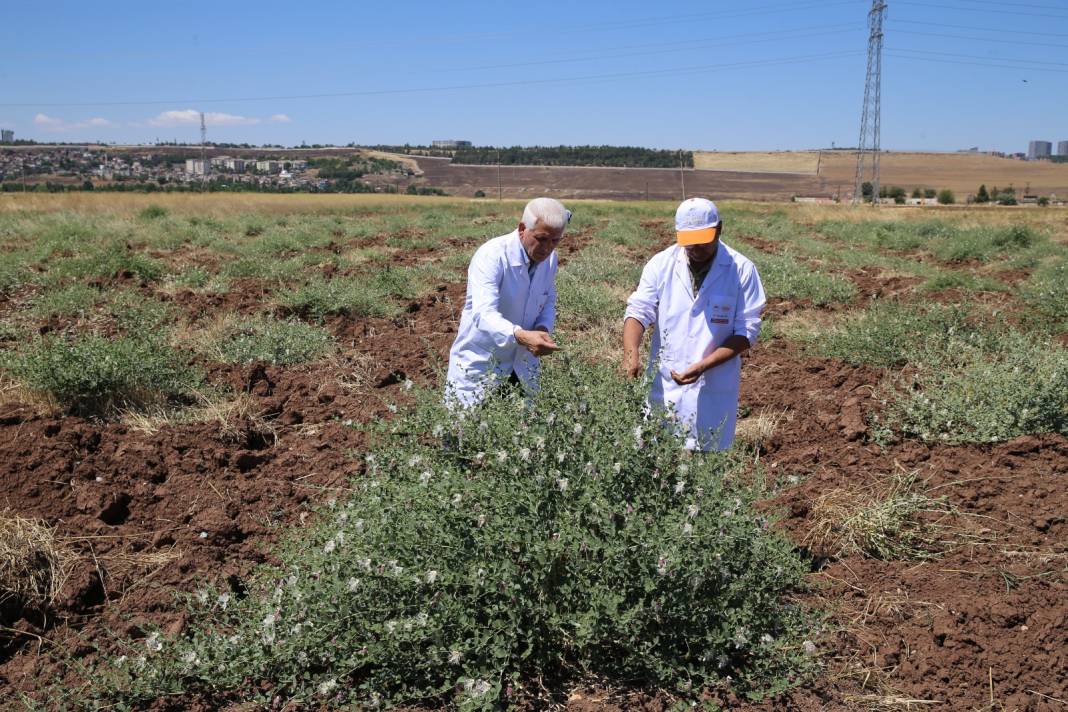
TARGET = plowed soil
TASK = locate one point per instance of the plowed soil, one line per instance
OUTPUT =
(982, 626)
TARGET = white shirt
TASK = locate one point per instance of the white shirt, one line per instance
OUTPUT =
(502, 296)
(689, 327)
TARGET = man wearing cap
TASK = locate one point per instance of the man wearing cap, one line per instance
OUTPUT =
(705, 299)
(510, 307)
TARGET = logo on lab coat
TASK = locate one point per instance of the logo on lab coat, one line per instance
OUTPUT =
(721, 314)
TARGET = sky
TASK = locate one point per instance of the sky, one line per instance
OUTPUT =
(712, 75)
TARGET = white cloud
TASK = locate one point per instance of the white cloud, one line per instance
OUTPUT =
(281, 118)
(184, 117)
(51, 123)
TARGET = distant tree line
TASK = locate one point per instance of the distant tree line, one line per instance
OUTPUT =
(615, 156)
(217, 185)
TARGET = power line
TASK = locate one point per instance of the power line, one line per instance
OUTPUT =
(981, 39)
(1028, 5)
(454, 87)
(977, 9)
(979, 64)
(678, 47)
(978, 29)
(980, 57)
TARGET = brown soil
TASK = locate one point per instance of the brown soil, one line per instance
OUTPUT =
(201, 503)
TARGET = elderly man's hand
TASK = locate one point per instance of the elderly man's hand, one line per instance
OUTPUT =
(632, 365)
(536, 342)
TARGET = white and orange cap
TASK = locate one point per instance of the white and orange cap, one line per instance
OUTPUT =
(696, 221)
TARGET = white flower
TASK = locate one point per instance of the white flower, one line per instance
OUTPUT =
(809, 647)
(692, 511)
(391, 626)
(408, 384)
(562, 484)
(414, 460)
(421, 620)
(560, 456)
(268, 620)
(481, 520)
(551, 419)
(353, 584)
(687, 528)
(190, 658)
(343, 517)
(391, 408)
(203, 535)
(524, 454)
(327, 686)
(329, 547)
(766, 639)
(438, 431)
(224, 600)
(358, 524)
(396, 568)
(153, 643)
(661, 565)
(578, 428)
(476, 688)
(332, 502)
(364, 564)
(680, 486)
(424, 479)
(431, 576)
(456, 499)
(202, 597)
(539, 442)
(741, 636)
(502, 455)
(683, 468)
(618, 467)
(455, 656)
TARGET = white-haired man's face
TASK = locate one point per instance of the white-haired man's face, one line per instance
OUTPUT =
(540, 240)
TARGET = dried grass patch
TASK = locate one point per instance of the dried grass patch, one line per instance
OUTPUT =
(755, 431)
(34, 564)
(892, 518)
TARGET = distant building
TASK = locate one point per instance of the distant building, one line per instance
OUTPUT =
(268, 166)
(1039, 149)
(7, 136)
(1062, 148)
(197, 167)
(450, 144)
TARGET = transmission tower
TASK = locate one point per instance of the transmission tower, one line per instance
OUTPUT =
(203, 142)
(871, 116)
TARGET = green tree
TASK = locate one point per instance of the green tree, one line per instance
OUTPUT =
(867, 189)
(917, 193)
(982, 196)
(946, 197)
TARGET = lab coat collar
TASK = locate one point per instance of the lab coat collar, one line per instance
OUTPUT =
(682, 265)
(517, 256)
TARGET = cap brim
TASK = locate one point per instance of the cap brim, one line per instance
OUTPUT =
(697, 237)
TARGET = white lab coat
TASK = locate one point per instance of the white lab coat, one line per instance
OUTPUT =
(501, 296)
(689, 328)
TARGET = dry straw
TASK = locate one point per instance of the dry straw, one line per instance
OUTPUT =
(33, 564)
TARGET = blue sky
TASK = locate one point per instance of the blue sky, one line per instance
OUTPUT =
(764, 75)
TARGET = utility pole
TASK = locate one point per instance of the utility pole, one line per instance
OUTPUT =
(682, 175)
(871, 115)
(203, 141)
(500, 191)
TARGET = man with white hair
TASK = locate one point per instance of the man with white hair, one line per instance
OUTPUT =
(706, 300)
(510, 307)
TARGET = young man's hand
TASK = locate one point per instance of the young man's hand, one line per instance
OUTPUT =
(690, 375)
(536, 342)
(632, 366)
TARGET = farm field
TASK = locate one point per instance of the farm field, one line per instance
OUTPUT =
(191, 387)
(962, 173)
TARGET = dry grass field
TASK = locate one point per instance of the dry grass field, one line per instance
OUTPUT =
(758, 162)
(960, 172)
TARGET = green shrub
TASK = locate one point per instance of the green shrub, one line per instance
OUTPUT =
(889, 334)
(565, 539)
(153, 212)
(71, 300)
(1019, 390)
(271, 341)
(1047, 295)
(114, 259)
(97, 374)
(340, 295)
